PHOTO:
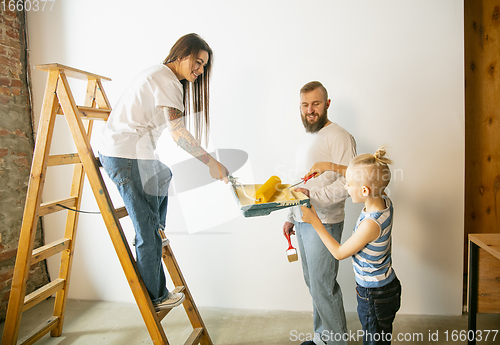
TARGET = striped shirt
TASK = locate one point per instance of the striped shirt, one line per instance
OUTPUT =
(373, 264)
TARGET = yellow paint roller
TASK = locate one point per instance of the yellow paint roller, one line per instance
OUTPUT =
(267, 190)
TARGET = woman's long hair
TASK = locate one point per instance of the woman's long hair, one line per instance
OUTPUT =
(196, 95)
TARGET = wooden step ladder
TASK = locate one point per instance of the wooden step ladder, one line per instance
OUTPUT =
(58, 99)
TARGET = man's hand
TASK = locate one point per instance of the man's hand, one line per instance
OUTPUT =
(321, 167)
(303, 190)
(288, 229)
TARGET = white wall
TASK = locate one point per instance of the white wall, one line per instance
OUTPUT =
(394, 71)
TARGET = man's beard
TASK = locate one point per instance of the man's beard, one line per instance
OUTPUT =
(316, 126)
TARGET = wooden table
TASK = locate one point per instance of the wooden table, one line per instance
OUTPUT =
(484, 277)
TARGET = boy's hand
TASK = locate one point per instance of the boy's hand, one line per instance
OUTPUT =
(309, 215)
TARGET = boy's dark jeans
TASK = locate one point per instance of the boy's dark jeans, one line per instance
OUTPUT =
(377, 309)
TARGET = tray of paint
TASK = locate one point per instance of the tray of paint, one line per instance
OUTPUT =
(281, 199)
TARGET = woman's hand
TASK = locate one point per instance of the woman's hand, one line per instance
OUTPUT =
(309, 215)
(303, 190)
(218, 171)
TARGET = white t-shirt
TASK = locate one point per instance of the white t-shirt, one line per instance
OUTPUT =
(327, 192)
(137, 120)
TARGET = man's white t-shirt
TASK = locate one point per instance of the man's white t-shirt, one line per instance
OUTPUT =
(137, 120)
(327, 192)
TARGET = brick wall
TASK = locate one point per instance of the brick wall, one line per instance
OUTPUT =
(16, 151)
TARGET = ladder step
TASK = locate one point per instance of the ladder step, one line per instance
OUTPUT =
(51, 207)
(94, 113)
(89, 113)
(48, 250)
(42, 293)
(162, 313)
(121, 212)
(45, 328)
(194, 338)
(69, 158)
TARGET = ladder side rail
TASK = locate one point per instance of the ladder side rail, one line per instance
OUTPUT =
(178, 280)
(107, 211)
(72, 221)
(30, 217)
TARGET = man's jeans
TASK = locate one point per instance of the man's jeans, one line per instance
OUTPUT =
(377, 309)
(320, 273)
(143, 185)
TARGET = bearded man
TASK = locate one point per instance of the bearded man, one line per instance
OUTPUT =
(325, 141)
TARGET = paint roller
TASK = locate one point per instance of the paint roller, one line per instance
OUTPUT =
(267, 190)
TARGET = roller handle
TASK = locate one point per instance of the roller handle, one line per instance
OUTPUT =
(307, 178)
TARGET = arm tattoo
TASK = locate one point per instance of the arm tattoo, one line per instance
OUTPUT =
(173, 113)
(186, 140)
(189, 144)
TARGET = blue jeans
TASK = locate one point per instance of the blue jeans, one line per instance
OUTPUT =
(377, 309)
(143, 185)
(320, 273)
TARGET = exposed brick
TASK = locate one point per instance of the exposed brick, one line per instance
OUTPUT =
(12, 33)
(20, 133)
(5, 90)
(16, 147)
(16, 83)
(4, 100)
(6, 275)
(5, 296)
(15, 91)
(4, 81)
(7, 41)
(6, 255)
(9, 14)
(10, 62)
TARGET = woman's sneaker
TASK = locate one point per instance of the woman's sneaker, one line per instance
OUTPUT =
(173, 300)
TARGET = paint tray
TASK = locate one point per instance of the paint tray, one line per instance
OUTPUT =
(282, 199)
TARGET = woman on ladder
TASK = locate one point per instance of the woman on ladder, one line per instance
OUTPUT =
(159, 98)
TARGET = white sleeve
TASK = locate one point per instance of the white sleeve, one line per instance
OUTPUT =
(167, 93)
(343, 149)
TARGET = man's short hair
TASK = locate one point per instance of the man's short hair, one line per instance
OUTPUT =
(313, 85)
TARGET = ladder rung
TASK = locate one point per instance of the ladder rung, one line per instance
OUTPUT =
(70, 158)
(45, 328)
(178, 289)
(48, 250)
(42, 293)
(89, 113)
(194, 337)
(94, 113)
(51, 207)
(121, 212)
(162, 313)
(70, 71)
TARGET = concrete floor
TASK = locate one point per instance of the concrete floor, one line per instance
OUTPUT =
(93, 322)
